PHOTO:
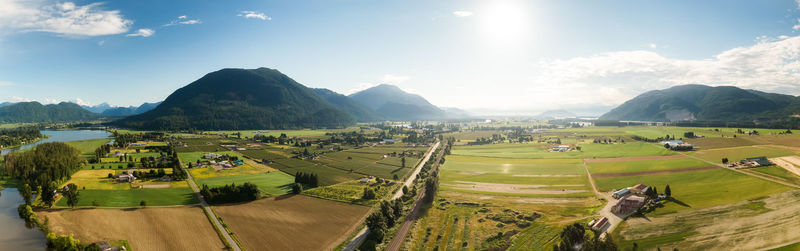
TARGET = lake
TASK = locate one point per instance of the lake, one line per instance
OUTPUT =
(15, 234)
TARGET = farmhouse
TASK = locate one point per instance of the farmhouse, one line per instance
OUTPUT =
(125, 178)
(211, 156)
(639, 189)
(598, 224)
(755, 162)
(628, 205)
(678, 144)
(560, 148)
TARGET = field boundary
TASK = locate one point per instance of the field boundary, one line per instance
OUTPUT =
(691, 169)
(636, 158)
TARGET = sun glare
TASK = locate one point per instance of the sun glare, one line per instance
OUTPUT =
(504, 23)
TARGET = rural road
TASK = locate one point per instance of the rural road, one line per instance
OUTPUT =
(361, 236)
(214, 217)
(613, 219)
(400, 236)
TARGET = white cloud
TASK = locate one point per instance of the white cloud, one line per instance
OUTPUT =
(394, 79)
(652, 45)
(16, 99)
(772, 64)
(81, 102)
(183, 20)
(361, 87)
(463, 13)
(797, 26)
(67, 18)
(5, 83)
(253, 14)
(142, 33)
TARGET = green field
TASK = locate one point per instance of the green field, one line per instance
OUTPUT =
(778, 172)
(792, 247)
(274, 183)
(740, 153)
(535, 151)
(352, 192)
(87, 147)
(698, 189)
(131, 198)
(644, 165)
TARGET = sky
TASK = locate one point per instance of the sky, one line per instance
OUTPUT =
(492, 57)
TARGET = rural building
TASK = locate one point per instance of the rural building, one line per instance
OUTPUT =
(165, 178)
(211, 156)
(365, 180)
(639, 189)
(105, 246)
(560, 148)
(628, 205)
(238, 162)
(598, 224)
(125, 178)
(390, 141)
(677, 144)
(621, 193)
(755, 162)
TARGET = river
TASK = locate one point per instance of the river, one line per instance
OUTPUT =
(15, 234)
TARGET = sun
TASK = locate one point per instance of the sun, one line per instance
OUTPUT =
(504, 22)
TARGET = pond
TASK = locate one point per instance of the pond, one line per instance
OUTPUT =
(15, 234)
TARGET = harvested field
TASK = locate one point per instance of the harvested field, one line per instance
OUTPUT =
(516, 188)
(744, 225)
(599, 160)
(606, 175)
(174, 228)
(292, 222)
(790, 163)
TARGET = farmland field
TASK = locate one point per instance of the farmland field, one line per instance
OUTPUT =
(644, 165)
(541, 151)
(174, 228)
(273, 183)
(698, 189)
(87, 147)
(352, 192)
(292, 222)
(131, 198)
(739, 153)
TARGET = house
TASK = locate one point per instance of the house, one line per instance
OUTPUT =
(628, 205)
(560, 148)
(755, 162)
(211, 156)
(621, 193)
(390, 141)
(238, 162)
(638, 189)
(365, 180)
(104, 246)
(165, 178)
(678, 144)
(125, 178)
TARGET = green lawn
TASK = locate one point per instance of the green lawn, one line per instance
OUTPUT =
(88, 146)
(699, 189)
(273, 183)
(131, 198)
(535, 151)
(644, 165)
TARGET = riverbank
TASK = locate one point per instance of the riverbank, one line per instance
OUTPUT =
(43, 137)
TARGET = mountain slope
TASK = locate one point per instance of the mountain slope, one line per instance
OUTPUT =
(98, 108)
(231, 99)
(396, 104)
(34, 112)
(344, 103)
(705, 103)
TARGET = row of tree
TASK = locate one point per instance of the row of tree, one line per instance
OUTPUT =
(310, 179)
(231, 193)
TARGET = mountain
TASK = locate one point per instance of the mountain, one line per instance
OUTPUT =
(131, 110)
(556, 114)
(97, 108)
(34, 112)
(233, 99)
(706, 103)
(456, 113)
(6, 104)
(396, 104)
(345, 103)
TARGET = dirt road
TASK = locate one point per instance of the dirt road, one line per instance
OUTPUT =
(613, 219)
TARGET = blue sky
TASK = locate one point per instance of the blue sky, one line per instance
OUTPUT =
(493, 57)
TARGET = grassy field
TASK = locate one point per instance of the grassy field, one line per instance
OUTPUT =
(87, 147)
(273, 183)
(698, 189)
(739, 153)
(779, 172)
(327, 175)
(352, 192)
(131, 198)
(644, 165)
(174, 228)
(534, 151)
(292, 222)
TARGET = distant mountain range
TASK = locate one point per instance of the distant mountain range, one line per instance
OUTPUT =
(344, 103)
(126, 111)
(34, 112)
(706, 103)
(556, 114)
(396, 104)
(232, 99)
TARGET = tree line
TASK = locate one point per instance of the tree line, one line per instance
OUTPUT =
(231, 193)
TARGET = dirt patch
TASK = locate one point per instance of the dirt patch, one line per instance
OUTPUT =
(790, 163)
(737, 226)
(598, 160)
(609, 175)
(173, 228)
(292, 222)
(515, 188)
(545, 175)
(157, 186)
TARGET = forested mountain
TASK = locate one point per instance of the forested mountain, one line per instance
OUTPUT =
(34, 112)
(232, 99)
(345, 103)
(97, 108)
(396, 104)
(705, 103)
(131, 110)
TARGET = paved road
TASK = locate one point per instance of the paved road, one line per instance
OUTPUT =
(400, 237)
(217, 224)
(361, 236)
